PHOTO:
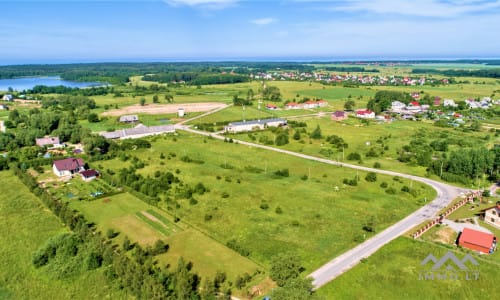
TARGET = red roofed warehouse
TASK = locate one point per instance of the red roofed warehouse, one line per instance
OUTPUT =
(68, 166)
(477, 240)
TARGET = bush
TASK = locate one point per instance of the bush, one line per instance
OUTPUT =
(208, 217)
(377, 165)
(384, 185)
(264, 206)
(371, 177)
(354, 156)
(111, 233)
(278, 210)
(391, 191)
(282, 173)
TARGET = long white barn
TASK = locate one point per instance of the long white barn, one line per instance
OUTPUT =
(254, 125)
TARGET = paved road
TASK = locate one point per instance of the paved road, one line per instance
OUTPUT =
(445, 194)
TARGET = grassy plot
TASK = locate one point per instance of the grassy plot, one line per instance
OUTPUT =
(394, 273)
(25, 225)
(384, 139)
(310, 212)
(145, 224)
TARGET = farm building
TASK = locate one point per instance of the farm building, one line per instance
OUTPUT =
(253, 125)
(4, 107)
(68, 166)
(138, 132)
(50, 141)
(89, 175)
(129, 119)
(492, 215)
(8, 97)
(339, 115)
(365, 114)
(397, 106)
(477, 240)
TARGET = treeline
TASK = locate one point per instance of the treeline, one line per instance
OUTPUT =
(131, 267)
(488, 73)
(351, 69)
(61, 89)
(382, 100)
(196, 78)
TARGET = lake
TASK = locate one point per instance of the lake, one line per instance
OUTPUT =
(25, 83)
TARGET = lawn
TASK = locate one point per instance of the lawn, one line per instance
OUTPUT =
(393, 273)
(320, 216)
(25, 225)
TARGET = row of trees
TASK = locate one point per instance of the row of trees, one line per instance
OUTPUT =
(138, 272)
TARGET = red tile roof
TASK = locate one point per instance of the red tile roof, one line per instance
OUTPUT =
(364, 112)
(475, 237)
(69, 164)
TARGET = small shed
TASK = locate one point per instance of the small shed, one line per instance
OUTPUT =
(129, 119)
(89, 174)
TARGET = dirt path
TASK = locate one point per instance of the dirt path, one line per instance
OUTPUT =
(155, 109)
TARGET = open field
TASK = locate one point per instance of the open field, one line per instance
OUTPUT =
(388, 138)
(393, 273)
(154, 109)
(25, 225)
(145, 224)
(320, 217)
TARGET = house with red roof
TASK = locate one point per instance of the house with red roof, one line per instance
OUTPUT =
(365, 114)
(477, 240)
(322, 103)
(271, 106)
(339, 115)
(292, 105)
(68, 166)
(310, 104)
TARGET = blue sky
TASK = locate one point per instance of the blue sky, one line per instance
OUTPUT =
(155, 30)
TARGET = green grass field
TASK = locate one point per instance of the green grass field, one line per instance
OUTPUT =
(25, 225)
(393, 273)
(145, 224)
(321, 217)
(361, 138)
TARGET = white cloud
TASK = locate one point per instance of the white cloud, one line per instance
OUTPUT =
(209, 4)
(421, 8)
(264, 21)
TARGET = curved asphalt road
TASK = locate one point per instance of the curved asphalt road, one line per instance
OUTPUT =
(334, 268)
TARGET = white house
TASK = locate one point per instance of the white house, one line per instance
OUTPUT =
(129, 119)
(49, 141)
(492, 215)
(397, 106)
(8, 97)
(365, 114)
(68, 166)
(449, 102)
(254, 125)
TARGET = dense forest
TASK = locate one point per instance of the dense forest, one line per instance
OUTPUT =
(488, 73)
(195, 78)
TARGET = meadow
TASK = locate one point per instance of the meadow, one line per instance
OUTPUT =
(394, 273)
(311, 212)
(25, 225)
(145, 224)
(361, 137)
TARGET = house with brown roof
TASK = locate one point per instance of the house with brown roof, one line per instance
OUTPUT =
(477, 240)
(492, 215)
(68, 166)
(339, 115)
(89, 174)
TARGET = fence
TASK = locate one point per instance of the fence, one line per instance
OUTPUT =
(469, 198)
